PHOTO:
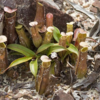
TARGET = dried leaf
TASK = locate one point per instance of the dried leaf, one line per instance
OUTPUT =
(86, 82)
(60, 95)
(94, 31)
(80, 9)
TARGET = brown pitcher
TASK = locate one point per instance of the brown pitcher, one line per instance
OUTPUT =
(42, 79)
(81, 64)
(23, 39)
(39, 17)
(10, 20)
(3, 54)
(1, 21)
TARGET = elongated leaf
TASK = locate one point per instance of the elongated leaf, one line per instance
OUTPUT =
(19, 61)
(73, 49)
(16, 62)
(45, 46)
(14, 53)
(67, 53)
(56, 34)
(34, 67)
(21, 49)
(57, 48)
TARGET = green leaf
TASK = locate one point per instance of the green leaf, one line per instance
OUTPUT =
(45, 46)
(19, 61)
(34, 67)
(56, 34)
(21, 49)
(73, 49)
(14, 53)
(67, 53)
(56, 48)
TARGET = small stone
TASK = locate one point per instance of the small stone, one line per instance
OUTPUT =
(69, 11)
(96, 3)
(80, 1)
(87, 25)
(60, 95)
(86, 5)
(6, 89)
(92, 9)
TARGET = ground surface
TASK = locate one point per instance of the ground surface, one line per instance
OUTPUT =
(21, 86)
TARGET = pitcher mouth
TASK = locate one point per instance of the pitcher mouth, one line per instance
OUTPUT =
(10, 15)
(2, 45)
(84, 49)
(3, 38)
